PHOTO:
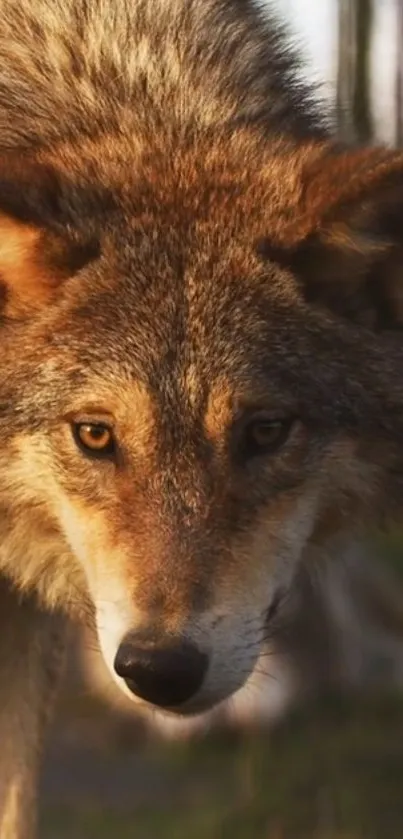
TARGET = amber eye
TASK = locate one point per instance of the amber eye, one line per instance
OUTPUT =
(95, 439)
(263, 435)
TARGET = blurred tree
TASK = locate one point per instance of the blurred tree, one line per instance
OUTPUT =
(346, 66)
(399, 74)
(353, 84)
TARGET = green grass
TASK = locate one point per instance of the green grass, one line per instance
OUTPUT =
(329, 772)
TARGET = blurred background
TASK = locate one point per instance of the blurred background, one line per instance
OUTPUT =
(353, 51)
(317, 751)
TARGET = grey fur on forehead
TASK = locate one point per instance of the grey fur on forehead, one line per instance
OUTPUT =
(102, 64)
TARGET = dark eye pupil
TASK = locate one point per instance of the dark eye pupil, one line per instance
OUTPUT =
(96, 431)
(266, 431)
(95, 440)
(264, 436)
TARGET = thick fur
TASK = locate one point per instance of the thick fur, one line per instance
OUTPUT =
(183, 248)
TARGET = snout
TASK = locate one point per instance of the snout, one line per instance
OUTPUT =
(166, 674)
(184, 672)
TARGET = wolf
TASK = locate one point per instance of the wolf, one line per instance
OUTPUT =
(201, 357)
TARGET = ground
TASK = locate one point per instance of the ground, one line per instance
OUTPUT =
(328, 772)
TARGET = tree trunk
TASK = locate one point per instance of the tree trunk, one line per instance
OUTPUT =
(399, 74)
(353, 83)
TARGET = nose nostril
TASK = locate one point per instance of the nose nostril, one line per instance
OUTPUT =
(164, 676)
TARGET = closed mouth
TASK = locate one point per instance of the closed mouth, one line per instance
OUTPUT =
(274, 607)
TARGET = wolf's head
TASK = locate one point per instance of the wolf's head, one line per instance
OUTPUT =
(200, 382)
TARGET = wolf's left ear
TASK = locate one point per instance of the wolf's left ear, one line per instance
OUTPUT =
(345, 240)
(39, 245)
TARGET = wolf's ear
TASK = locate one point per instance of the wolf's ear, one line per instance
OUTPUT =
(345, 239)
(39, 246)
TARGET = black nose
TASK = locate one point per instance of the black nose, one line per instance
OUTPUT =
(163, 675)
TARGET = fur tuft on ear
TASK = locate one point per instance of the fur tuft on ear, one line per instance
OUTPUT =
(344, 236)
(39, 245)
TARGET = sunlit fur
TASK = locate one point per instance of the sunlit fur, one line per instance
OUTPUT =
(182, 246)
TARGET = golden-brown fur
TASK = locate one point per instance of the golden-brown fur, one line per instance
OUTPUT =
(184, 253)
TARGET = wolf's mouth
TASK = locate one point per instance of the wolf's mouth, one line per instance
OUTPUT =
(274, 607)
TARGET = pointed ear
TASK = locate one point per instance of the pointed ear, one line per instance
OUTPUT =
(39, 246)
(345, 239)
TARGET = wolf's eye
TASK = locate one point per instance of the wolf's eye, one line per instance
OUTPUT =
(95, 439)
(263, 435)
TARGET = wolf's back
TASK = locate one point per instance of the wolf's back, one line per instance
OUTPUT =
(70, 68)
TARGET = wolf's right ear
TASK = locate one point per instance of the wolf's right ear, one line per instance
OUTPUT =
(39, 246)
(343, 238)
